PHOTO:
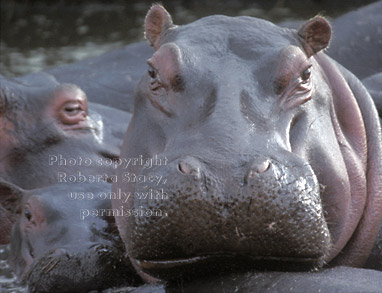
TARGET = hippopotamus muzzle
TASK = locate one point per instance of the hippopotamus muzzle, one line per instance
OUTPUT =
(55, 248)
(99, 267)
(264, 210)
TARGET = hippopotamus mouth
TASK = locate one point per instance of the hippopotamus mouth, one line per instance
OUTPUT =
(220, 263)
(99, 267)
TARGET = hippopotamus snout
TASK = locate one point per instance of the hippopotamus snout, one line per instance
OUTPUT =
(62, 270)
(263, 206)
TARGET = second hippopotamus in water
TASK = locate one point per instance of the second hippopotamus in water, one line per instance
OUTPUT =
(66, 240)
(272, 152)
(50, 133)
(47, 127)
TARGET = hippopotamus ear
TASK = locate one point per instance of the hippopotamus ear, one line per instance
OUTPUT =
(10, 198)
(316, 34)
(10, 195)
(157, 22)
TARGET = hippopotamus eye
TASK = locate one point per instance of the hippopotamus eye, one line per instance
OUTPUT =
(72, 109)
(305, 75)
(152, 72)
(27, 214)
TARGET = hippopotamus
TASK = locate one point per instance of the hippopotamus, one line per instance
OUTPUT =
(65, 240)
(47, 128)
(269, 152)
(357, 42)
(373, 84)
(50, 133)
(108, 79)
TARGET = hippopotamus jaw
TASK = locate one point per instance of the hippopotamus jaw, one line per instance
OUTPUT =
(196, 266)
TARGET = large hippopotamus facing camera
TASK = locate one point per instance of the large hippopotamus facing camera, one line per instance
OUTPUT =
(271, 151)
(65, 240)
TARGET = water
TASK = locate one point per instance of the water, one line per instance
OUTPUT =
(38, 35)
(8, 280)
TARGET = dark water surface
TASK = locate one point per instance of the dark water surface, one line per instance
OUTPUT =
(35, 35)
(39, 34)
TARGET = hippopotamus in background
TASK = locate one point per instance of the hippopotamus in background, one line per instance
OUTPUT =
(357, 45)
(374, 86)
(108, 79)
(62, 242)
(357, 41)
(273, 152)
(48, 132)
(43, 121)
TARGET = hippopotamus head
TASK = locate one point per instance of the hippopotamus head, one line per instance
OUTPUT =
(43, 121)
(65, 240)
(267, 151)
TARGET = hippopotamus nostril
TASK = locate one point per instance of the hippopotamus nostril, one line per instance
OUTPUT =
(261, 167)
(190, 166)
(60, 252)
(184, 168)
(258, 167)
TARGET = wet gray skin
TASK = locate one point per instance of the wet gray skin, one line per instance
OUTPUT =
(59, 245)
(267, 156)
(374, 86)
(357, 40)
(108, 79)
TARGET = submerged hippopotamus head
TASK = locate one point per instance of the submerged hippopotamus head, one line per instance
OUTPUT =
(42, 125)
(65, 240)
(269, 152)
(9, 198)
